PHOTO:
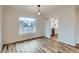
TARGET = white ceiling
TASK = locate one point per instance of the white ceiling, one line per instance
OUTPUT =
(45, 9)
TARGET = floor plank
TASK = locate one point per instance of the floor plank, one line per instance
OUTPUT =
(39, 45)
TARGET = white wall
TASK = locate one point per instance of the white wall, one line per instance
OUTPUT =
(0, 28)
(11, 25)
(77, 25)
(66, 24)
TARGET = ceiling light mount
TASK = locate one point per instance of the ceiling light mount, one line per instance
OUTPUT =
(38, 5)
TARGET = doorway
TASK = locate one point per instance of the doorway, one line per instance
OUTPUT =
(54, 27)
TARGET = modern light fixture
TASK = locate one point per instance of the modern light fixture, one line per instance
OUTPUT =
(38, 9)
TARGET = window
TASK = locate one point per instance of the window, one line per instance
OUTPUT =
(27, 25)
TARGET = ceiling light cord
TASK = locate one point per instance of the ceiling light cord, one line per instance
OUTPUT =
(38, 9)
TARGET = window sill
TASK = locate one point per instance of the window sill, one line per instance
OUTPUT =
(27, 33)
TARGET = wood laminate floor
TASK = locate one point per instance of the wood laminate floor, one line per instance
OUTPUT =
(39, 45)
